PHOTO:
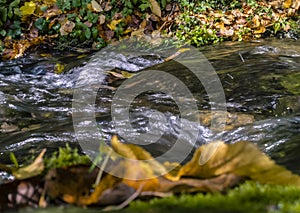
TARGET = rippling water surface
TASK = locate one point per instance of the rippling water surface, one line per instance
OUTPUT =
(260, 81)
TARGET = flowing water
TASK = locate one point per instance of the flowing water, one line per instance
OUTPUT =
(261, 82)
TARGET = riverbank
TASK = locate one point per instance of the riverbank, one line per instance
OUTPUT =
(92, 24)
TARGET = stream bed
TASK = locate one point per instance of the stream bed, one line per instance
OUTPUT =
(260, 80)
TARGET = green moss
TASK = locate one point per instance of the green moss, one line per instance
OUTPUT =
(66, 156)
(249, 197)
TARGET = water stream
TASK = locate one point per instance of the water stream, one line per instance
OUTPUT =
(260, 81)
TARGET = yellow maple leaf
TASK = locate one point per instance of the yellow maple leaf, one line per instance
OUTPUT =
(28, 8)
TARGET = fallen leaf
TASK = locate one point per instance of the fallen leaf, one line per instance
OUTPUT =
(232, 120)
(107, 182)
(261, 30)
(139, 157)
(66, 27)
(28, 8)
(138, 33)
(287, 3)
(59, 68)
(256, 21)
(127, 74)
(107, 7)
(34, 169)
(155, 8)
(101, 19)
(52, 12)
(116, 74)
(70, 183)
(96, 6)
(113, 24)
(216, 184)
(241, 158)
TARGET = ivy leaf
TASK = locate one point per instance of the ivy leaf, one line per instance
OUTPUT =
(28, 8)
(3, 14)
(87, 33)
(12, 5)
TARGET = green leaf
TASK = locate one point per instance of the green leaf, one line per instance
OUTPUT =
(39, 23)
(44, 8)
(56, 26)
(87, 33)
(3, 33)
(3, 14)
(17, 12)
(145, 6)
(163, 3)
(76, 3)
(95, 32)
(12, 5)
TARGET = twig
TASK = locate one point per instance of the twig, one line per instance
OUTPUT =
(241, 57)
(156, 194)
(126, 202)
(103, 165)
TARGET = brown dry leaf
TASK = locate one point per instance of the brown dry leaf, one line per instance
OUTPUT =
(256, 21)
(227, 21)
(116, 195)
(226, 32)
(96, 6)
(107, 6)
(138, 33)
(66, 27)
(52, 12)
(243, 159)
(17, 50)
(155, 8)
(215, 184)
(116, 74)
(70, 183)
(101, 19)
(233, 120)
(34, 169)
(108, 182)
(296, 5)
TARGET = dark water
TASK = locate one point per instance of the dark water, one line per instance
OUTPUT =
(260, 79)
